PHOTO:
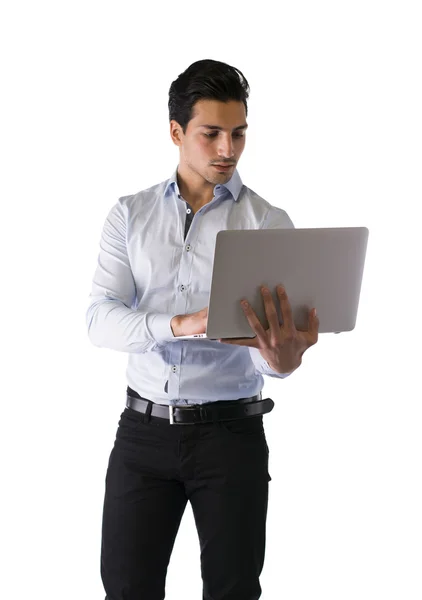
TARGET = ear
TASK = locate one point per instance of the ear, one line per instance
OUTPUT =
(176, 133)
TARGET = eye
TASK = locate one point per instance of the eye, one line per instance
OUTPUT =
(212, 135)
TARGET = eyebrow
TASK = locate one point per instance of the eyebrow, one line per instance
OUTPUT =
(245, 126)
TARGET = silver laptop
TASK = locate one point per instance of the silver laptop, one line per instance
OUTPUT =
(319, 267)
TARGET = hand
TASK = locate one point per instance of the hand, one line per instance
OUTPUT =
(190, 324)
(282, 346)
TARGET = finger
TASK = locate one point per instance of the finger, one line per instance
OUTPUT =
(286, 311)
(240, 341)
(313, 325)
(253, 320)
(271, 313)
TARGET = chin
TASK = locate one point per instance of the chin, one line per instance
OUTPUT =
(215, 175)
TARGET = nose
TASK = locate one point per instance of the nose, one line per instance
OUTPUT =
(225, 148)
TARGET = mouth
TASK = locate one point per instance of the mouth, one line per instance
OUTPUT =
(223, 167)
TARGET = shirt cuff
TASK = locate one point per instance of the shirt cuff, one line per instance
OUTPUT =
(267, 370)
(263, 367)
(160, 328)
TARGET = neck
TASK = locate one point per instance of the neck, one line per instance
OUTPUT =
(194, 188)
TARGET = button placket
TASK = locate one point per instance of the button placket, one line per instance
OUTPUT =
(184, 268)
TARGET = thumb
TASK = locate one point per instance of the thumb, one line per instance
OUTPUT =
(313, 322)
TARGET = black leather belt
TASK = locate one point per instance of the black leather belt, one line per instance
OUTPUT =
(209, 412)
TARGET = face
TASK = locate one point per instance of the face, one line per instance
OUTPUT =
(215, 135)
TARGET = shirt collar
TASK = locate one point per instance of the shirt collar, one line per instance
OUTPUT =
(234, 185)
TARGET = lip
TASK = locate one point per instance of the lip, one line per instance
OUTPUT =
(224, 167)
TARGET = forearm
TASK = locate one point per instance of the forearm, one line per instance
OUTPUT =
(111, 324)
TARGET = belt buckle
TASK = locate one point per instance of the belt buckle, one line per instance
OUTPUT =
(171, 416)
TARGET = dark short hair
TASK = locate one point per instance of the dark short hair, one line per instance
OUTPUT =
(205, 80)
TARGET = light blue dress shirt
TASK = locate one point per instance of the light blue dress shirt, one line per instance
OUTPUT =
(148, 272)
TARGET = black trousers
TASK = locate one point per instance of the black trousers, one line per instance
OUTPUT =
(154, 469)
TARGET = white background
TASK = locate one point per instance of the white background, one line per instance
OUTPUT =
(334, 138)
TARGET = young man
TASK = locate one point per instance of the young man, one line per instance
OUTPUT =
(192, 429)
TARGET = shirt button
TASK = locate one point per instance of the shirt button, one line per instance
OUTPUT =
(174, 368)
(182, 288)
(188, 247)
(188, 211)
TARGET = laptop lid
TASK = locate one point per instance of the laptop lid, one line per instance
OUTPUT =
(319, 267)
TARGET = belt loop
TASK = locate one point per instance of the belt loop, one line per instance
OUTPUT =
(147, 413)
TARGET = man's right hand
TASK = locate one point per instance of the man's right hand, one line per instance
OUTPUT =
(190, 324)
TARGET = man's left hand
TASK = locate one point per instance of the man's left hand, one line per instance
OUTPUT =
(282, 346)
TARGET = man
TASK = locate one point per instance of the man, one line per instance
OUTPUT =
(151, 286)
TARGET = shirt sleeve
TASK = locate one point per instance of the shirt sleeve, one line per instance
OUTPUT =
(110, 319)
(276, 218)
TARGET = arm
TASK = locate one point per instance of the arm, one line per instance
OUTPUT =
(276, 218)
(110, 320)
